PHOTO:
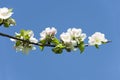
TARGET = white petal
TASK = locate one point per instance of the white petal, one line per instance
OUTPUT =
(33, 40)
(42, 35)
(5, 13)
(31, 34)
(97, 38)
(83, 36)
(34, 48)
(65, 37)
(13, 40)
(74, 43)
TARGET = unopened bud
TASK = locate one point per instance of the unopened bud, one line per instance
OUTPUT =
(6, 24)
(11, 21)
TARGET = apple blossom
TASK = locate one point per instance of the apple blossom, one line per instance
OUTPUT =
(32, 39)
(43, 35)
(24, 46)
(97, 39)
(5, 13)
(65, 37)
(73, 37)
(24, 49)
(73, 34)
(48, 32)
(76, 33)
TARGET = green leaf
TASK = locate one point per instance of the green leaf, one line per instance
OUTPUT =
(60, 46)
(55, 41)
(41, 47)
(1, 21)
(104, 42)
(97, 46)
(22, 32)
(26, 37)
(57, 50)
(81, 47)
(6, 24)
(43, 42)
(17, 43)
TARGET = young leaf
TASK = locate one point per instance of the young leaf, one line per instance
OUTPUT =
(103, 42)
(22, 32)
(55, 41)
(17, 43)
(81, 47)
(6, 24)
(41, 47)
(97, 46)
(57, 50)
(1, 21)
(43, 42)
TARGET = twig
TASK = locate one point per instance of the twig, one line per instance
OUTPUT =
(38, 44)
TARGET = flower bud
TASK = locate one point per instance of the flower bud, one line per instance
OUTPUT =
(12, 22)
(6, 24)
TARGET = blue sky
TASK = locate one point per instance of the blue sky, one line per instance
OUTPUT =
(90, 15)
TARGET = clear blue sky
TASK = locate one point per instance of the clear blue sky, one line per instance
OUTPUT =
(90, 15)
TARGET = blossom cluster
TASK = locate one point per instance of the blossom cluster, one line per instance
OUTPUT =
(97, 38)
(24, 46)
(5, 17)
(71, 40)
(73, 37)
(48, 32)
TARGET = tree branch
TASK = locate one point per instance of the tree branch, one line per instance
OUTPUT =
(38, 44)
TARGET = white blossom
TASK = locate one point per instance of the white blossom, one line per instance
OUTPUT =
(50, 31)
(34, 48)
(5, 13)
(72, 37)
(31, 34)
(97, 38)
(43, 35)
(47, 32)
(76, 33)
(65, 37)
(74, 42)
(13, 40)
(19, 48)
(32, 39)
(25, 35)
(83, 36)
(17, 33)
